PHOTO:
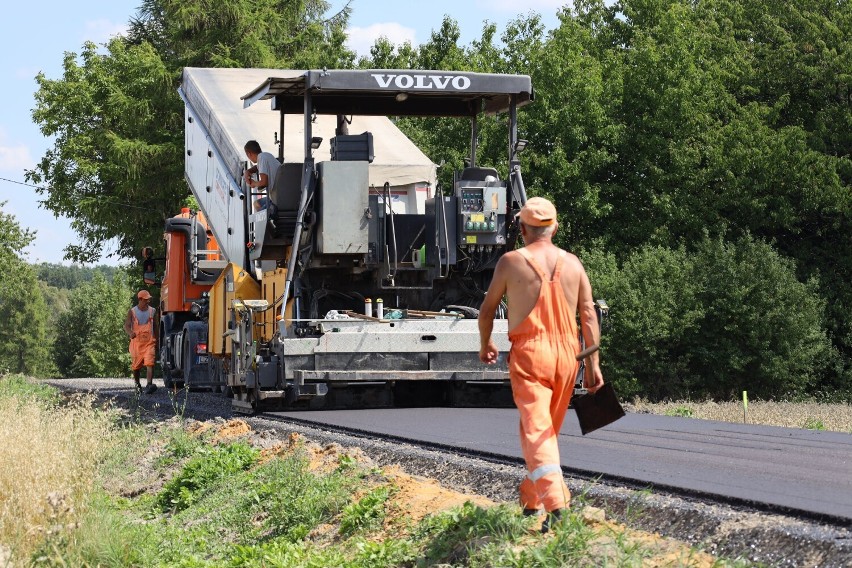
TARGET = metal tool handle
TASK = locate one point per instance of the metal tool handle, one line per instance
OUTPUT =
(586, 352)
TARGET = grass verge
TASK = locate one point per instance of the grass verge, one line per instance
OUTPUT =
(52, 451)
(211, 494)
(835, 417)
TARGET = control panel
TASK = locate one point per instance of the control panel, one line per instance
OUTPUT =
(482, 214)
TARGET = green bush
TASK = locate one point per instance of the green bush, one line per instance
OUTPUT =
(712, 322)
(367, 513)
(200, 472)
(90, 340)
(653, 305)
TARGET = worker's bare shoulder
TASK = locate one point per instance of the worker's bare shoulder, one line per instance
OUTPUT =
(511, 258)
(571, 259)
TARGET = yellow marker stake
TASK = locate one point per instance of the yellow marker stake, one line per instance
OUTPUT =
(745, 406)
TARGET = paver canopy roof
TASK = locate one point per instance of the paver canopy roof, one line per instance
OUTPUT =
(388, 92)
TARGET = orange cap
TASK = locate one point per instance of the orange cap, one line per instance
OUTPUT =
(144, 294)
(538, 212)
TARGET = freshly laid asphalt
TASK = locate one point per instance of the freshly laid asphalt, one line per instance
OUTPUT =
(802, 472)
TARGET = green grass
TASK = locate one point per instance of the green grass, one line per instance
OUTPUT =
(682, 411)
(180, 445)
(469, 535)
(164, 497)
(368, 513)
(204, 470)
(19, 387)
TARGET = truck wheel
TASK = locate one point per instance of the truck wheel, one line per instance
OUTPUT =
(186, 363)
(167, 369)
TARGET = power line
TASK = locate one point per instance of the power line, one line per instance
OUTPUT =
(106, 200)
(21, 183)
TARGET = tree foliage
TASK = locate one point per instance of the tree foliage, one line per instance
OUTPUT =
(90, 338)
(703, 147)
(728, 317)
(70, 277)
(662, 125)
(23, 312)
(116, 164)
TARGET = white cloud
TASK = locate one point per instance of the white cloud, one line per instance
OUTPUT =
(362, 39)
(14, 158)
(101, 30)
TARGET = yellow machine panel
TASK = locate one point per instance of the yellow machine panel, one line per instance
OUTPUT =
(273, 287)
(234, 283)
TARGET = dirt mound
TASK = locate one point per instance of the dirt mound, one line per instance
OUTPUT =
(417, 497)
(231, 429)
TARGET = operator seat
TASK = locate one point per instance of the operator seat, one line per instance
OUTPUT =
(285, 196)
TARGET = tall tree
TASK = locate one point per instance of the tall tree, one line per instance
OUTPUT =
(116, 165)
(23, 333)
(665, 123)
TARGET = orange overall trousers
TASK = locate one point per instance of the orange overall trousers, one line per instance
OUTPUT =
(542, 368)
(143, 345)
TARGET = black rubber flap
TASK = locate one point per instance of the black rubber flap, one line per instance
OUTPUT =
(597, 410)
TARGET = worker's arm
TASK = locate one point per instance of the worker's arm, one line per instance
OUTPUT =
(488, 349)
(248, 173)
(260, 183)
(128, 324)
(593, 378)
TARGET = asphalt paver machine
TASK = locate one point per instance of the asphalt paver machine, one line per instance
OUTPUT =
(359, 284)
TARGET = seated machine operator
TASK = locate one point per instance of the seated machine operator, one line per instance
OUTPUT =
(266, 167)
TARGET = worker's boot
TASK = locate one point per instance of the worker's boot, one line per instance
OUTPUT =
(552, 518)
(150, 388)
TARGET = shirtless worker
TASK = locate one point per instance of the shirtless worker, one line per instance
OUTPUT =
(544, 288)
(139, 327)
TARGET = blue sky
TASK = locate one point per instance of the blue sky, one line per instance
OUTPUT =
(35, 35)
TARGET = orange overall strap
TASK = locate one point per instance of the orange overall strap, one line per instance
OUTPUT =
(550, 314)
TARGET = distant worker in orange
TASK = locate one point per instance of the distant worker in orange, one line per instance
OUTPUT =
(545, 287)
(139, 326)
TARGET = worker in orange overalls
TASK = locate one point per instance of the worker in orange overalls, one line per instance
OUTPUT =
(545, 287)
(139, 326)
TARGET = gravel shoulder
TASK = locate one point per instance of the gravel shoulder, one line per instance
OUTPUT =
(721, 530)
